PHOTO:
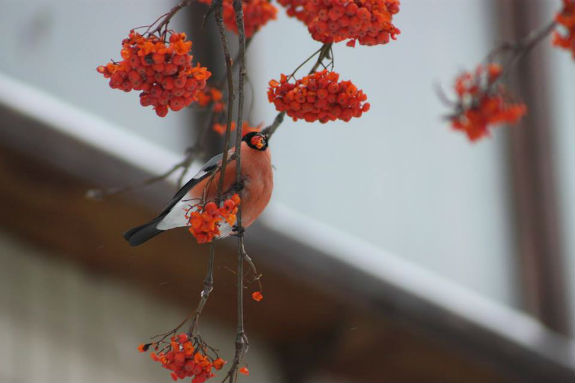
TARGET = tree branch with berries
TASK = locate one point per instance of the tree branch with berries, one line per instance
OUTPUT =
(157, 63)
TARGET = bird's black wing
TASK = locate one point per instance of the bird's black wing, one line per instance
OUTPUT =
(138, 235)
(207, 170)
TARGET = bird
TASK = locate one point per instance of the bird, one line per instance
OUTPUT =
(255, 190)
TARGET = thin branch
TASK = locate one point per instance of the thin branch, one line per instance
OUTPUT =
(98, 194)
(163, 336)
(518, 49)
(197, 149)
(192, 153)
(241, 338)
(242, 343)
(270, 130)
(166, 18)
(257, 276)
(220, 82)
(217, 4)
(305, 62)
(205, 294)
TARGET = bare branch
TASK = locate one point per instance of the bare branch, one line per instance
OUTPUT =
(241, 338)
(165, 19)
(217, 4)
(518, 50)
(208, 287)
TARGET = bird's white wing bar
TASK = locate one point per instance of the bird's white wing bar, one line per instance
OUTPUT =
(175, 212)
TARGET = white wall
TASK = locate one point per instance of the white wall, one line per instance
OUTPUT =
(398, 176)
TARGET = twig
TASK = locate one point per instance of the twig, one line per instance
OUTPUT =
(519, 49)
(220, 82)
(99, 194)
(257, 276)
(217, 4)
(197, 148)
(241, 338)
(192, 153)
(166, 18)
(171, 332)
(305, 62)
(205, 294)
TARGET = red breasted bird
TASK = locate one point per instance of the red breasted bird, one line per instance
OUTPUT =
(255, 190)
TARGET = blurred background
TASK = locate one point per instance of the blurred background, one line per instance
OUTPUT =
(409, 255)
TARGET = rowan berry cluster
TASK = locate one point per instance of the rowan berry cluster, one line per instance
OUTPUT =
(318, 97)
(566, 19)
(204, 221)
(162, 71)
(367, 21)
(257, 13)
(481, 102)
(296, 8)
(184, 357)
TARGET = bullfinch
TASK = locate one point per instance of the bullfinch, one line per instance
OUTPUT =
(255, 190)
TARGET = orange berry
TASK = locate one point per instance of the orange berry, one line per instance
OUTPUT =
(335, 99)
(480, 104)
(257, 296)
(367, 21)
(219, 363)
(150, 66)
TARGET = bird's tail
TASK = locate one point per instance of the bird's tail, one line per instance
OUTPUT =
(141, 234)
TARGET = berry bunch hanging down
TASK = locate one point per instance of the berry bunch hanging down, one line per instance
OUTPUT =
(162, 70)
(318, 97)
(565, 38)
(296, 8)
(257, 13)
(367, 21)
(204, 221)
(186, 357)
(481, 102)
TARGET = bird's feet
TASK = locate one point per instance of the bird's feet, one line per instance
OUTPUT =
(237, 230)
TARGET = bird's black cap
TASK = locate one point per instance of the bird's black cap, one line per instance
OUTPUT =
(256, 140)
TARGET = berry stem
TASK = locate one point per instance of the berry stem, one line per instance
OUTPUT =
(518, 49)
(165, 19)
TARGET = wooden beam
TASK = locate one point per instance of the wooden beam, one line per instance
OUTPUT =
(540, 256)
